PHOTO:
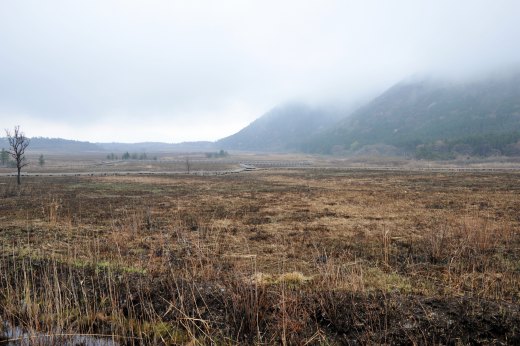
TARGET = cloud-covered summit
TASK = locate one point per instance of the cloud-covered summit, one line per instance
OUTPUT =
(173, 71)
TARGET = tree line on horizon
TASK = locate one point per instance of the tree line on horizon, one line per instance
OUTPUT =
(130, 156)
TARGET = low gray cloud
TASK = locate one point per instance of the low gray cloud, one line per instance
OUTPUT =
(173, 71)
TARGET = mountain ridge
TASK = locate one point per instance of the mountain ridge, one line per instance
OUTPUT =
(412, 115)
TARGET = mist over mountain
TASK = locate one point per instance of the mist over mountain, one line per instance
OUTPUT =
(421, 117)
(433, 119)
(284, 128)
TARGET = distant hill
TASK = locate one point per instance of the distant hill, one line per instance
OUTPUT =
(157, 147)
(284, 128)
(56, 145)
(60, 145)
(433, 119)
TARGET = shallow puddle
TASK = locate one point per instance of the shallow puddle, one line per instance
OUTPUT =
(16, 336)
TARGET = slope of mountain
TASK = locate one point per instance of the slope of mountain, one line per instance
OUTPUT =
(480, 118)
(284, 128)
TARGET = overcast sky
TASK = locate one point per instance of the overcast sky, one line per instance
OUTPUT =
(175, 71)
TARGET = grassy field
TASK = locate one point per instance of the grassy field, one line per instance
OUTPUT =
(300, 256)
(97, 162)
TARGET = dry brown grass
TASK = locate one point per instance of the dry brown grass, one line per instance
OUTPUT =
(295, 257)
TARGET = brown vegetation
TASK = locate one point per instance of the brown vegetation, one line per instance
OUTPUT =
(303, 256)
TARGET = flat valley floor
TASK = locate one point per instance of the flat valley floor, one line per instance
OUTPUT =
(290, 256)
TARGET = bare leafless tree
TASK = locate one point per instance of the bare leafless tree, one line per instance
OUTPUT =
(188, 164)
(17, 145)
